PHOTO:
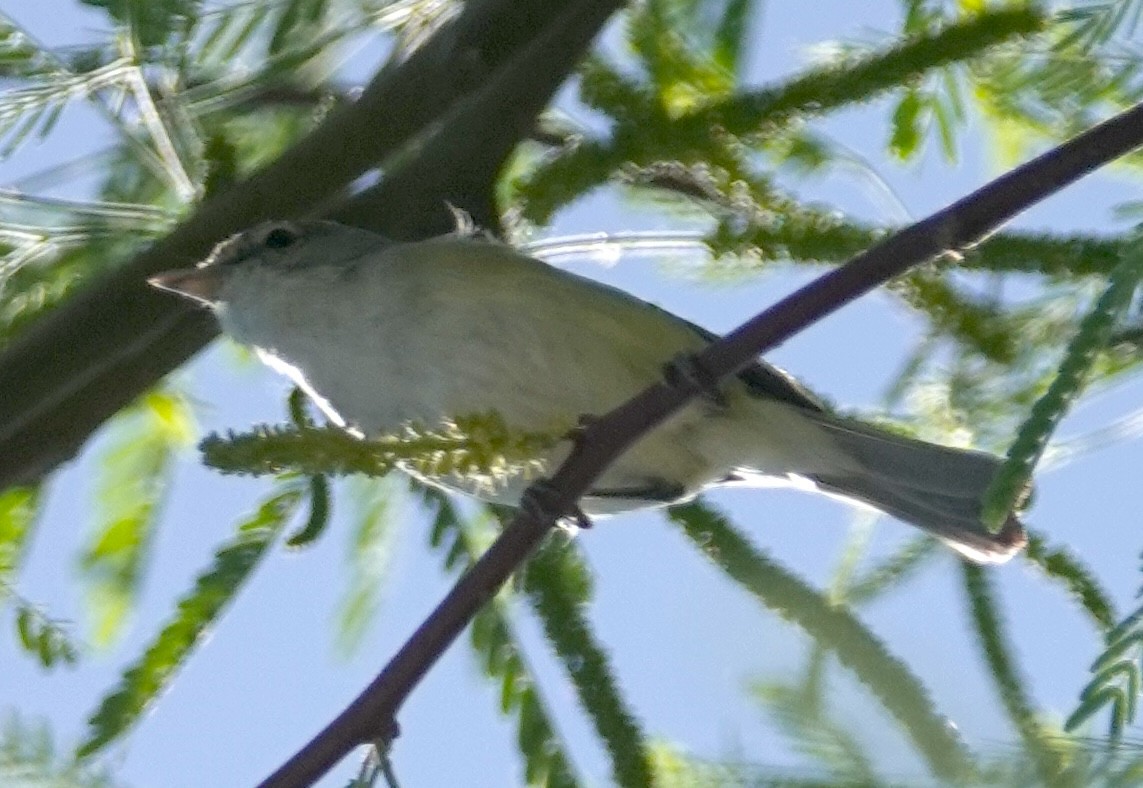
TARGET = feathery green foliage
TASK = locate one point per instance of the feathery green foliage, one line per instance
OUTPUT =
(1059, 564)
(799, 710)
(18, 509)
(558, 586)
(474, 446)
(194, 96)
(134, 473)
(501, 655)
(1118, 679)
(39, 634)
(186, 91)
(46, 638)
(833, 628)
(648, 129)
(892, 571)
(1041, 745)
(1094, 334)
(375, 513)
(196, 612)
(29, 758)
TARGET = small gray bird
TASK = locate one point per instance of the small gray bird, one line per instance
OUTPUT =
(381, 334)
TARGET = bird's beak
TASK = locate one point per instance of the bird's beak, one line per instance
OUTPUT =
(198, 284)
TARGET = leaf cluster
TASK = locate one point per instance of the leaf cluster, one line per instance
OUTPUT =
(475, 446)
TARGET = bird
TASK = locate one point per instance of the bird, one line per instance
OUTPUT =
(381, 333)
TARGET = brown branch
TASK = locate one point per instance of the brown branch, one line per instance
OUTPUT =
(501, 115)
(372, 715)
(83, 362)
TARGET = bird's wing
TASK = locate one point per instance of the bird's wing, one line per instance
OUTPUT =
(762, 380)
(766, 381)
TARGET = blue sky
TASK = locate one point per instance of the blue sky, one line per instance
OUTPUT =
(685, 642)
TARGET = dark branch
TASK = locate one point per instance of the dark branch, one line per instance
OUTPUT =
(373, 712)
(501, 115)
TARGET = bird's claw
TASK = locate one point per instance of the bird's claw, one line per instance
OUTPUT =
(686, 372)
(541, 501)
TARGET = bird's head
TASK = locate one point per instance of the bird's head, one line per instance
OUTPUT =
(268, 254)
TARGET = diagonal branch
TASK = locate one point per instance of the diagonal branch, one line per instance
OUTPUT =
(79, 365)
(372, 715)
(501, 115)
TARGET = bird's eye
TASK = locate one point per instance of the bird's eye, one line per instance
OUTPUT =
(279, 238)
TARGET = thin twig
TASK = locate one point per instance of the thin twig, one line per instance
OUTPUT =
(157, 129)
(373, 713)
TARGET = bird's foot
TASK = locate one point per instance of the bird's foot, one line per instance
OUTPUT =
(582, 425)
(686, 372)
(542, 501)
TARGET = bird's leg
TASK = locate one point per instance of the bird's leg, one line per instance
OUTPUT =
(686, 372)
(377, 762)
(541, 501)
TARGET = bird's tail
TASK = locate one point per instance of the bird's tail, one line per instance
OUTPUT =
(935, 488)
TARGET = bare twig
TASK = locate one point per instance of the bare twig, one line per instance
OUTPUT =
(372, 715)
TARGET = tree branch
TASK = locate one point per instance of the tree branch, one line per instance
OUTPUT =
(372, 715)
(500, 115)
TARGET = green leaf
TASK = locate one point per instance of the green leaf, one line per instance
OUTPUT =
(906, 124)
(299, 23)
(44, 638)
(132, 479)
(1011, 484)
(477, 447)
(1118, 676)
(948, 114)
(150, 21)
(24, 628)
(1061, 565)
(197, 611)
(28, 759)
(18, 509)
(318, 519)
(45, 648)
(731, 37)
(231, 29)
(1038, 742)
(38, 634)
(558, 585)
(376, 510)
(498, 648)
(1092, 703)
(834, 628)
